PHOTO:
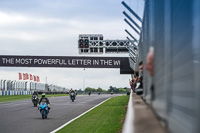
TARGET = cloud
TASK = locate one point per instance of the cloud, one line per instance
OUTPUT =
(8, 19)
(17, 26)
(51, 28)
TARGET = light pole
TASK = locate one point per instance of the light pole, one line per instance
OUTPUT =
(46, 87)
(83, 79)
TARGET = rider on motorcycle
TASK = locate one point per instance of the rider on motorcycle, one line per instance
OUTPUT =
(35, 98)
(111, 92)
(76, 92)
(72, 91)
(44, 99)
(89, 92)
(35, 93)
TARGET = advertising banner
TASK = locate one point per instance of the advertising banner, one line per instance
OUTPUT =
(61, 61)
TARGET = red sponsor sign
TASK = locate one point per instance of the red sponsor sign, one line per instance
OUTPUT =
(35, 79)
(24, 76)
(38, 79)
(31, 77)
(27, 76)
(20, 76)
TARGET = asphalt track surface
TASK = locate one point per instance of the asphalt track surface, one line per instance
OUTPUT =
(23, 117)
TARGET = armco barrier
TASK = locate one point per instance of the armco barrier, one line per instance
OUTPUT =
(5, 93)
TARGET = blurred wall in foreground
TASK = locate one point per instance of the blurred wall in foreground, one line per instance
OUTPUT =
(172, 27)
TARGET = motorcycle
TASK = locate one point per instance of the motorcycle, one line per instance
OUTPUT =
(43, 108)
(72, 96)
(35, 100)
(89, 93)
(111, 92)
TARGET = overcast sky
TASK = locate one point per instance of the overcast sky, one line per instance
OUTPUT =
(52, 27)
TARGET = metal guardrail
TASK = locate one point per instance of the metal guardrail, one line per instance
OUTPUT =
(9, 93)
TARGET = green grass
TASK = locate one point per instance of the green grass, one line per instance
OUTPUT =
(106, 118)
(24, 97)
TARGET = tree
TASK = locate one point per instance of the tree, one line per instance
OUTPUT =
(122, 90)
(116, 90)
(99, 89)
(80, 90)
(94, 90)
(110, 89)
(125, 88)
(88, 89)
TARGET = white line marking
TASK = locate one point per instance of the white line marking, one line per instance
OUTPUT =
(77, 117)
(129, 121)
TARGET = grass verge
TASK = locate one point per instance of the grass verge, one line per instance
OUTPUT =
(106, 118)
(24, 97)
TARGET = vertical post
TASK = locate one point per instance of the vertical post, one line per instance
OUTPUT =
(30, 86)
(26, 86)
(19, 85)
(4, 85)
(83, 78)
(14, 83)
(168, 53)
(46, 86)
(196, 61)
(1, 85)
(11, 88)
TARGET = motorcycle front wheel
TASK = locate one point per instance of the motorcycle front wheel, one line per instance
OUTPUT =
(43, 115)
(35, 104)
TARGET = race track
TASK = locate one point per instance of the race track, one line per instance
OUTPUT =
(23, 117)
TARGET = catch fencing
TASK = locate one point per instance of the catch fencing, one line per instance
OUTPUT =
(172, 27)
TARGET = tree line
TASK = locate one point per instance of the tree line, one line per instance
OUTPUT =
(111, 88)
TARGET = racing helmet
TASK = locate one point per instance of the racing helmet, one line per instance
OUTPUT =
(43, 94)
